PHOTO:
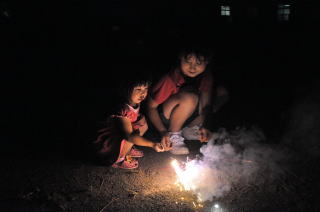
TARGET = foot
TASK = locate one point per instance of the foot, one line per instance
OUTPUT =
(135, 153)
(127, 163)
(191, 133)
(178, 146)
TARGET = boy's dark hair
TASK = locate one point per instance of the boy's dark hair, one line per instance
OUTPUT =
(201, 52)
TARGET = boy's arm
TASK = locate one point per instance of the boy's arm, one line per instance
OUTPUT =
(156, 121)
(154, 116)
(204, 104)
(221, 98)
(205, 101)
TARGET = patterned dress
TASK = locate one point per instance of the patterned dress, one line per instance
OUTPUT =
(111, 139)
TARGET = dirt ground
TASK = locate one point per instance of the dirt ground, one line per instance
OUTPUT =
(55, 182)
(61, 58)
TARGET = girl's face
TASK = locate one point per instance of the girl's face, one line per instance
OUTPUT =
(191, 66)
(139, 93)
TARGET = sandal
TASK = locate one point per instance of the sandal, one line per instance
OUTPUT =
(127, 163)
(135, 153)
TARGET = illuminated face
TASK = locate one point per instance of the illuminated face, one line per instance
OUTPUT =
(138, 94)
(192, 66)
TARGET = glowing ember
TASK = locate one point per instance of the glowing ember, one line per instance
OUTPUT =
(187, 176)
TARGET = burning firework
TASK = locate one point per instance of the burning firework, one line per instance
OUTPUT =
(187, 175)
(204, 178)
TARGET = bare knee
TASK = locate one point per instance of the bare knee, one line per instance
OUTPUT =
(188, 98)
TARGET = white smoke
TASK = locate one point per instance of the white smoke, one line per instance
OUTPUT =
(234, 157)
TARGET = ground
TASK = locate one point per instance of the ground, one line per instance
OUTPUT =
(62, 64)
(56, 182)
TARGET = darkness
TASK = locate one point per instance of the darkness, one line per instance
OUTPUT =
(62, 63)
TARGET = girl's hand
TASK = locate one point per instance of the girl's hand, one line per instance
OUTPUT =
(205, 135)
(158, 147)
(166, 143)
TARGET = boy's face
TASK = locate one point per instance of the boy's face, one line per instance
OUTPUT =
(139, 93)
(192, 66)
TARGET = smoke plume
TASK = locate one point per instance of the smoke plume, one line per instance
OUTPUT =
(234, 157)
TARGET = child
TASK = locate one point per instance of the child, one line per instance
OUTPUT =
(125, 128)
(181, 98)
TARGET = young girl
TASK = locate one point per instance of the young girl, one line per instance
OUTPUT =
(181, 98)
(124, 129)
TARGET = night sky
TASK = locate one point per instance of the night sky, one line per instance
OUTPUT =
(62, 61)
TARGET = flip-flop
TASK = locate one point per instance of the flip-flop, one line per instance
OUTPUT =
(126, 164)
(135, 153)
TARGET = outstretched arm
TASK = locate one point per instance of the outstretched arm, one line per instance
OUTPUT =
(136, 139)
(156, 121)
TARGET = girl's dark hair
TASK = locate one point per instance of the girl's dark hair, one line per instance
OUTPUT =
(130, 82)
(139, 81)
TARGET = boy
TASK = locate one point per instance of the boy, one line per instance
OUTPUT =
(181, 98)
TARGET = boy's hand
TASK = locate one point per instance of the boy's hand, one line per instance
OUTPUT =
(205, 135)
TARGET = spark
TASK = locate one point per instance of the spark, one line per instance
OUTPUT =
(186, 176)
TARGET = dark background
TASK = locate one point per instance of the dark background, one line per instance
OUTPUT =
(61, 62)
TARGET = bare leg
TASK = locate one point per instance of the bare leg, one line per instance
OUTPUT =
(144, 128)
(125, 149)
(179, 108)
(127, 146)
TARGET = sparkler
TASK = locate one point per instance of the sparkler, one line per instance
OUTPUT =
(187, 175)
